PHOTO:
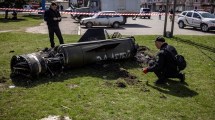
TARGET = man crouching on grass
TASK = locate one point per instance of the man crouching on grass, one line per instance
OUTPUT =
(164, 65)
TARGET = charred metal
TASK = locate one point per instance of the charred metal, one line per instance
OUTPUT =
(94, 46)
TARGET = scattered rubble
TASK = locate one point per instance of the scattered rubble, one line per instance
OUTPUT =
(144, 55)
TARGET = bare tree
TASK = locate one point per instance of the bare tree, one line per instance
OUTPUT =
(212, 4)
(13, 4)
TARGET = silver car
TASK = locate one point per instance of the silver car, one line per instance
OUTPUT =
(197, 19)
(103, 18)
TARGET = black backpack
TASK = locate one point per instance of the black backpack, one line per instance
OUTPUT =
(179, 60)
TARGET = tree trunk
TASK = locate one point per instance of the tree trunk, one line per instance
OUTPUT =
(6, 14)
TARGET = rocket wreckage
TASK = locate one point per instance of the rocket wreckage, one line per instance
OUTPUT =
(94, 46)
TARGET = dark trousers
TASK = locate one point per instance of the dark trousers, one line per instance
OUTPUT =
(163, 76)
(56, 30)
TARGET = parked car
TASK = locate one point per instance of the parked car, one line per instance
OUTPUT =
(146, 12)
(103, 18)
(28, 7)
(69, 9)
(40, 8)
(197, 19)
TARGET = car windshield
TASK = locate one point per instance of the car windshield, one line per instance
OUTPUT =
(207, 15)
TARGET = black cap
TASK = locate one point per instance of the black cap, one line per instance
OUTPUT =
(53, 3)
(160, 39)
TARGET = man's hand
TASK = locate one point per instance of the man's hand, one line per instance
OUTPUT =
(145, 70)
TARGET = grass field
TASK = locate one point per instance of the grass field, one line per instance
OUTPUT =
(99, 98)
(91, 94)
(24, 20)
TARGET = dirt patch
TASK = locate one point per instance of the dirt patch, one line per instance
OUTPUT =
(144, 56)
(121, 83)
(3, 79)
(125, 78)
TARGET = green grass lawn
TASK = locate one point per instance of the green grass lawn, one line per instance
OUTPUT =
(24, 20)
(88, 93)
(96, 97)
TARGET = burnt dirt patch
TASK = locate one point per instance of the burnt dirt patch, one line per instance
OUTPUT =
(114, 70)
(143, 56)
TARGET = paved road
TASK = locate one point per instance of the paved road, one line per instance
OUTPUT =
(67, 25)
(151, 26)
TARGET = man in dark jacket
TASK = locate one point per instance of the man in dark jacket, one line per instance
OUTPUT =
(53, 17)
(164, 65)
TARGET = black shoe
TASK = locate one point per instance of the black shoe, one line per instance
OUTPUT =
(160, 81)
(182, 77)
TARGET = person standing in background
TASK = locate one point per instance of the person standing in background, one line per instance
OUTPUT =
(53, 17)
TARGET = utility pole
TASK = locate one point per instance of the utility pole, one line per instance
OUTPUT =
(165, 21)
(43, 4)
(173, 19)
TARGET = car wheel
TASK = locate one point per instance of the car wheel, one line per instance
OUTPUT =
(89, 24)
(181, 24)
(116, 24)
(149, 17)
(204, 27)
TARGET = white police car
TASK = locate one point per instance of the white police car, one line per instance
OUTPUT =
(197, 19)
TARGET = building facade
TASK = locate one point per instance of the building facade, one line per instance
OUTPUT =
(181, 5)
(155, 5)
